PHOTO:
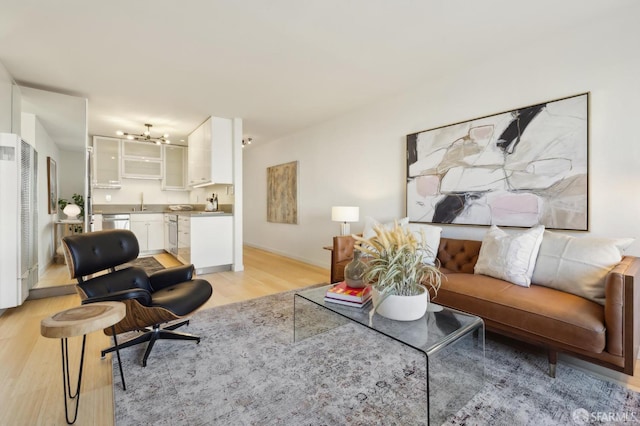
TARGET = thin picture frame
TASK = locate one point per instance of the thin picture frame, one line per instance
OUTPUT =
(52, 185)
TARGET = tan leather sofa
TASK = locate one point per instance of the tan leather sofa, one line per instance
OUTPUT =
(607, 335)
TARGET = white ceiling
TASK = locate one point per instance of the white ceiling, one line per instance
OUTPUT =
(281, 65)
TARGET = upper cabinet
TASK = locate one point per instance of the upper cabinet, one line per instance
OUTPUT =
(141, 160)
(210, 153)
(175, 167)
(106, 162)
(114, 159)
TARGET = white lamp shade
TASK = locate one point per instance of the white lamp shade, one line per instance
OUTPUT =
(345, 214)
(71, 210)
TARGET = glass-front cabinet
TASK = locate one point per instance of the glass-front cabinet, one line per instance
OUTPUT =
(106, 162)
(141, 160)
(175, 162)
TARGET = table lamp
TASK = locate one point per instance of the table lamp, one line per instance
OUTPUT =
(72, 211)
(345, 214)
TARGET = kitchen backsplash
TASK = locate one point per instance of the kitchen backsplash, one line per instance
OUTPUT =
(135, 191)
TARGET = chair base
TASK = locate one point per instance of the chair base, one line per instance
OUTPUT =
(153, 334)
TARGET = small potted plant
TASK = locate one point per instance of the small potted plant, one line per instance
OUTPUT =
(401, 280)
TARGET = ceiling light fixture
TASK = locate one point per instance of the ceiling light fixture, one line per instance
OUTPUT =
(246, 141)
(145, 136)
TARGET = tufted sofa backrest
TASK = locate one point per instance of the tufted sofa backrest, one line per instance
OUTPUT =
(458, 255)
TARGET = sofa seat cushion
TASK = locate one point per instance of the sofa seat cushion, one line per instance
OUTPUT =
(540, 311)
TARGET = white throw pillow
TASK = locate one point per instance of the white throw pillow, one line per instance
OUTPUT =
(578, 265)
(431, 239)
(370, 223)
(510, 257)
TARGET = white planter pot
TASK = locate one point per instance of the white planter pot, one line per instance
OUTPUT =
(401, 308)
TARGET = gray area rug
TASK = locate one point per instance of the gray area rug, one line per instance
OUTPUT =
(248, 371)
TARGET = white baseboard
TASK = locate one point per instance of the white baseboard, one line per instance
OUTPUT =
(286, 254)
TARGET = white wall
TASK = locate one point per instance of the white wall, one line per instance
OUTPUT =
(132, 189)
(6, 89)
(359, 158)
(71, 172)
(224, 192)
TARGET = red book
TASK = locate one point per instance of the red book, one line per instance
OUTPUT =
(345, 302)
(341, 291)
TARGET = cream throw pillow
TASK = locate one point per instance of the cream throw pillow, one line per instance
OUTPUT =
(431, 239)
(510, 257)
(370, 223)
(578, 265)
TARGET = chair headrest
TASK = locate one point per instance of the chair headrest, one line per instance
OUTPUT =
(96, 251)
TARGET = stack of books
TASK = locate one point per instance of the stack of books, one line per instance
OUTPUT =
(345, 295)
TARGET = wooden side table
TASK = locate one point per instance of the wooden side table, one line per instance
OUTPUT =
(78, 321)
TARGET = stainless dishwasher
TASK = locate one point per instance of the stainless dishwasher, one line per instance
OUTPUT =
(115, 221)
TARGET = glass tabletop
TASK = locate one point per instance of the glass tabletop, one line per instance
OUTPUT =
(429, 334)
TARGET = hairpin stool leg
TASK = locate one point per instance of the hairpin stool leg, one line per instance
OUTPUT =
(115, 343)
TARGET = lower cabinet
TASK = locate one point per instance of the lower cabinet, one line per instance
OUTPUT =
(206, 242)
(211, 241)
(148, 228)
(184, 239)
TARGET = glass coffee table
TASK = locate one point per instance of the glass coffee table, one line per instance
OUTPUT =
(451, 341)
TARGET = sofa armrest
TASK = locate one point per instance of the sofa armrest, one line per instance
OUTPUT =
(343, 248)
(622, 311)
(341, 254)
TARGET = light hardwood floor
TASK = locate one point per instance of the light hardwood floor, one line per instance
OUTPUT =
(30, 365)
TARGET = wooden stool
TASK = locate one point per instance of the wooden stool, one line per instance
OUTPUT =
(80, 321)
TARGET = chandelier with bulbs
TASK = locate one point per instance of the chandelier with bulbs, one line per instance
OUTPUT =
(145, 136)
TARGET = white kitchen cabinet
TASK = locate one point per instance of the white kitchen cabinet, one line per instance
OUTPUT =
(141, 160)
(184, 239)
(149, 230)
(206, 242)
(175, 165)
(165, 221)
(106, 162)
(211, 241)
(211, 152)
(142, 150)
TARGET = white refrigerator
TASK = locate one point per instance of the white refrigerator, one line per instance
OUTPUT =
(18, 220)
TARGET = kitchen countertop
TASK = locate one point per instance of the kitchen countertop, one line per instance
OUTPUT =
(225, 210)
(179, 213)
(200, 213)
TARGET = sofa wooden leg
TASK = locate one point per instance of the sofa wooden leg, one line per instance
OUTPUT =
(553, 360)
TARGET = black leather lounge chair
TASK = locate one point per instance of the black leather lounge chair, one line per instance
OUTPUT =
(164, 296)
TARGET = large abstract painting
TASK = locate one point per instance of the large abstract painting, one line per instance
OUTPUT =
(518, 168)
(282, 193)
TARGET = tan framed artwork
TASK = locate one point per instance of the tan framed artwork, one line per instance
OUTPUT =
(282, 193)
(52, 185)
